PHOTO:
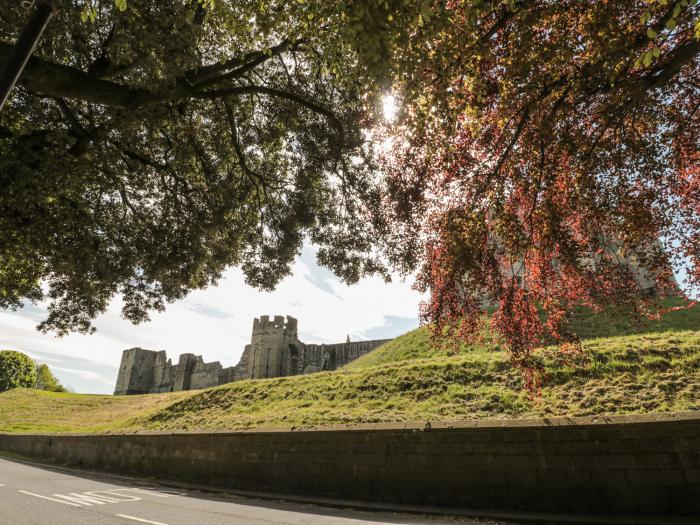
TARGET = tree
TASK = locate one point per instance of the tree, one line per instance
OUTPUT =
(17, 370)
(150, 145)
(539, 143)
(45, 380)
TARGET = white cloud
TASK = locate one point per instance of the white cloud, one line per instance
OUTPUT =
(83, 373)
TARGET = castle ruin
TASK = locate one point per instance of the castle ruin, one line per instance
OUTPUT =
(274, 351)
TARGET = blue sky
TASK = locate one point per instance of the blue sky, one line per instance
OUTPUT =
(216, 322)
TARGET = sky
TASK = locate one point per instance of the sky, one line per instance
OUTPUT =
(216, 323)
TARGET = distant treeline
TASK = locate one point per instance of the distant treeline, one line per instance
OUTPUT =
(18, 370)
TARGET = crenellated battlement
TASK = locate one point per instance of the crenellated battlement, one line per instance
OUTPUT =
(274, 351)
(278, 322)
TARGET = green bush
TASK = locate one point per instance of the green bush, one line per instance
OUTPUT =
(17, 370)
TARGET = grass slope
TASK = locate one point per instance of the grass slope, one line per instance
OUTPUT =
(417, 344)
(27, 410)
(410, 379)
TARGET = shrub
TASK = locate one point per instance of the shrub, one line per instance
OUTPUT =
(17, 370)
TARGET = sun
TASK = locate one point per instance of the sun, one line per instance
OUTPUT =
(389, 107)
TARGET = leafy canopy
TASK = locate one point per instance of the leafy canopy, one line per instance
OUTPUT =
(541, 144)
(150, 145)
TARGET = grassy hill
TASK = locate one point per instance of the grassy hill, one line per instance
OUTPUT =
(626, 369)
(28, 410)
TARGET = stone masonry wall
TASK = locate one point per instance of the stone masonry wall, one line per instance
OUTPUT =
(205, 375)
(331, 357)
(163, 373)
(630, 465)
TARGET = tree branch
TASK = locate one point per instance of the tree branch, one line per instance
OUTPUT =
(669, 69)
(83, 137)
(213, 94)
(102, 64)
(59, 81)
(209, 75)
(236, 144)
(516, 135)
(64, 82)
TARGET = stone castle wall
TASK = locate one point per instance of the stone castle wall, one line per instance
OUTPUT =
(274, 351)
(330, 357)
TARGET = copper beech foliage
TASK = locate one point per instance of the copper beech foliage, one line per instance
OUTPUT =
(539, 144)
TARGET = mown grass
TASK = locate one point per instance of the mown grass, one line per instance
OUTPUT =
(409, 379)
(28, 410)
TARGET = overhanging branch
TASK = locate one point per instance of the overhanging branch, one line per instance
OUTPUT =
(210, 75)
(214, 94)
(59, 81)
(669, 69)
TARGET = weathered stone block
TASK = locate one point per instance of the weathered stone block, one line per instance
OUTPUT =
(564, 478)
(655, 478)
(527, 478)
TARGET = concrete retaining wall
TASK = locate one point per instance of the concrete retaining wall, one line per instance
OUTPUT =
(628, 465)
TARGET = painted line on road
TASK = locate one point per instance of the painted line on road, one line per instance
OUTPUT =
(140, 519)
(82, 499)
(165, 493)
(102, 497)
(50, 499)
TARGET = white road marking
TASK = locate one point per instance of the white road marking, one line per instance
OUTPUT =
(100, 497)
(81, 499)
(140, 519)
(160, 493)
(117, 494)
(1, 485)
(50, 499)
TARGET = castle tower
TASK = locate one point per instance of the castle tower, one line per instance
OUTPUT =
(273, 347)
(135, 372)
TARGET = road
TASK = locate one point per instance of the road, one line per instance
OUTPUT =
(32, 494)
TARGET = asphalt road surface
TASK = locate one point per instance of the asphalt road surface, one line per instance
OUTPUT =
(32, 494)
